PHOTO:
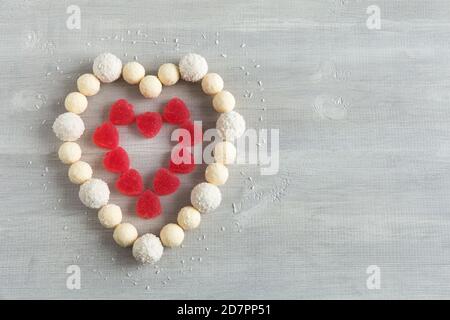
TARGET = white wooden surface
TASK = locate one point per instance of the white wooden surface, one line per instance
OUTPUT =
(364, 148)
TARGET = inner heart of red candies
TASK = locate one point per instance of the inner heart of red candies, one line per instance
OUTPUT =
(129, 181)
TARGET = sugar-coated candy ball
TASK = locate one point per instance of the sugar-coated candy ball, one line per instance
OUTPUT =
(216, 173)
(172, 235)
(88, 84)
(225, 152)
(69, 152)
(68, 126)
(193, 67)
(80, 172)
(224, 101)
(231, 125)
(107, 67)
(168, 74)
(110, 216)
(150, 87)
(76, 102)
(188, 218)
(94, 193)
(133, 72)
(125, 234)
(212, 83)
(205, 197)
(147, 248)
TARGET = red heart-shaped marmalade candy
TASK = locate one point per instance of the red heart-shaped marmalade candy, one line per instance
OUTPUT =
(121, 112)
(180, 163)
(165, 182)
(116, 160)
(195, 133)
(149, 124)
(176, 112)
(148, 205)
(106, 136)
(130, 183)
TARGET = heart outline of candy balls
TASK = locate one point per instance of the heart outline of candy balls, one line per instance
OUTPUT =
(94, 193)
(116, 159)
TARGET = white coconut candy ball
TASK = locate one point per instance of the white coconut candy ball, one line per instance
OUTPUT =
(107, 67)
(133, 72)
(172, 235)
(76, 102)
(88, 84)
(125, 234)
(94, 193)
(193, 67)
(212, 83)
(150, 87)
(69, 152)
(216, 173)
(68, 126)
(225, 152)
(168, 74)
(231, 125)
(110, 215)
(188, 218)
(80, 172)
(224, 101)
(148, 249)
(205, 197)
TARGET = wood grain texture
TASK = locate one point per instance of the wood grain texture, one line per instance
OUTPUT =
(364, 149)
